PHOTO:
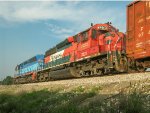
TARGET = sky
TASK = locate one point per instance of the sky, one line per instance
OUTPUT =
(31, 28)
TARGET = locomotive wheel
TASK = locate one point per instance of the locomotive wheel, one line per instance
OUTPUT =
(123, 64)
(99, 72)
(140, 66)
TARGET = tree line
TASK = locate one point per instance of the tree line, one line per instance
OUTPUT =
(7, 81)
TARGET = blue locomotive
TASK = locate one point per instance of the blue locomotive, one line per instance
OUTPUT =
(30, 65)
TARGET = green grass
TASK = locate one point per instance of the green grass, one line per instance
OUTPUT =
(45, 101)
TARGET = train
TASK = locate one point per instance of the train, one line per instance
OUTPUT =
(99, 50)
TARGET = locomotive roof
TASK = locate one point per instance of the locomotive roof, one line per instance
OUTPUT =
(35, 58)
(89, 28)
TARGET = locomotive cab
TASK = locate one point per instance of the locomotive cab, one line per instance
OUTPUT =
(112, 44)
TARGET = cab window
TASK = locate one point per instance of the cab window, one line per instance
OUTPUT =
(84, 36)
(93, 33)
(78, 39)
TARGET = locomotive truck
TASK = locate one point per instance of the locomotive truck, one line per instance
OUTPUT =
(100, 49)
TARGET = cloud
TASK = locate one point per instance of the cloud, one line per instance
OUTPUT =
(31, 11)
(79, 13)
(57, 29)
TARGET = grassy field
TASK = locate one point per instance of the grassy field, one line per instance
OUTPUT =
(79, 99)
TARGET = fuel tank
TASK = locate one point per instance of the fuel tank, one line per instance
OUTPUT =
(64, 73)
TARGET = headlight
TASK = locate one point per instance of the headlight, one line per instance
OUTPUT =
(102, 28)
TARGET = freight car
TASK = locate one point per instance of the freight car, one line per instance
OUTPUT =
(98, 50)
(138, 35)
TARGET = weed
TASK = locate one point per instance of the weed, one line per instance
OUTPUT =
(95, 89)
(45, 101)
(79, 89)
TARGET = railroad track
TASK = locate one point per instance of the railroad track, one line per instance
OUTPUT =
(101, 79)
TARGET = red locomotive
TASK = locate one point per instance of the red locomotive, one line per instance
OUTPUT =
(98, 50)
